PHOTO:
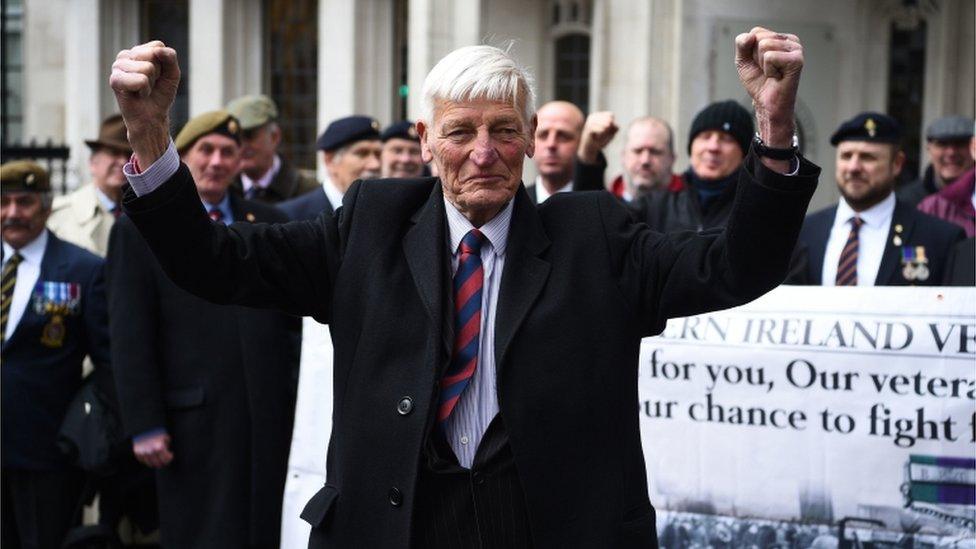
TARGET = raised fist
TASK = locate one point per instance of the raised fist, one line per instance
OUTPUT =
(144, 80)
(769, 65)
(598, 131)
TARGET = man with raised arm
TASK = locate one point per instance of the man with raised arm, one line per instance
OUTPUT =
(486, 350)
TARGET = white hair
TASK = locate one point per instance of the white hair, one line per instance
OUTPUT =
(478, 73)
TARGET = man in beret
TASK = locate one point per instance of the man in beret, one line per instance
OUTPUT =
(265, 176)
(947, 144)
(718, 141)
(205, 390)
(569, 149)
(52, 315)
(870, 238)
(351, 150)
(85, 216)
(401, 151)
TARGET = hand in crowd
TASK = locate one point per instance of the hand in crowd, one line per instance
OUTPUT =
(598, 131)
(145, 79)
(153, 451)
(769, 65)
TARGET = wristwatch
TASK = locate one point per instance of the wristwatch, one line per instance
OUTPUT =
(776, 154)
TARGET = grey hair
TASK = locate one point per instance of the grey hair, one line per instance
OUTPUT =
(478, 72)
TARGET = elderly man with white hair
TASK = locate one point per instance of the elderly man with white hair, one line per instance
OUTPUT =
(486, 350)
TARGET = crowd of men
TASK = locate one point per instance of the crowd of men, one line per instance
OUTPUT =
(206, 392)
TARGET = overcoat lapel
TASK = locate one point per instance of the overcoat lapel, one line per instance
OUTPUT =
(424, 246)
(890, 266)
(525, 272)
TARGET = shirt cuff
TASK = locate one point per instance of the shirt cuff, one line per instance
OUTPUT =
(151, 433)
(146, 181)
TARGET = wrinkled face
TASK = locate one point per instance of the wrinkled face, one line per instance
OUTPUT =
(478, 148)
(361, 160)
(402, 158)
(557, 137)
(22, 217)
(866, 172)
(950, 158)
(647, 156)
(258, 147)
(715, 154)
(213, 161)
(105, 166)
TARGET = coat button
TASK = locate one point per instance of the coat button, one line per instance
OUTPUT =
(405, 406)
(396, 498)
(478, 478)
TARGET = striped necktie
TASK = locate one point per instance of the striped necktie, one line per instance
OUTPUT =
(7, 281)
(468, 283)
(847, 265)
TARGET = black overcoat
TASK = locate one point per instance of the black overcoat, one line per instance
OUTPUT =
(582, 285)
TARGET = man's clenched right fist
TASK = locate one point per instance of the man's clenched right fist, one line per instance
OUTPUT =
(144, 80)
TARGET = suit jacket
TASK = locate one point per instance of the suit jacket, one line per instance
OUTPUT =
(286, 184)
(918, 229)
(39, 380)
(582, 285)
(220, 379)
(961, 266)
(80, 218)
(308, 206)
(586, 177)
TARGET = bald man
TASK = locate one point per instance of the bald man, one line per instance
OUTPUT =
(647, 159)
(567, 149)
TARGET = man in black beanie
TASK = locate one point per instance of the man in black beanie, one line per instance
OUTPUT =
(718, 142)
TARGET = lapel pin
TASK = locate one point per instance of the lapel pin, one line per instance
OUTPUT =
(250, 217)
(898, 228)
(896, 241)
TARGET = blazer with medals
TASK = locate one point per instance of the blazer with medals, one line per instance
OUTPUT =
(80, 218)
(220, 380)
(582, 285)
(42, 360)
(909, 229)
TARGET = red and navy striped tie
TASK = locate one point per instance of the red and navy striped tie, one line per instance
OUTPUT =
(468, 282)
(847, 265)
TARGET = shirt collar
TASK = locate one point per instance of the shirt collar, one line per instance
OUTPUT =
(542, 193)
(496, 230)
(876, 216)
(264, 180)
(332, 193)
(104, 200)
(33, 252)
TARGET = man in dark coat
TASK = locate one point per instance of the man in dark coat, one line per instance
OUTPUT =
(207, 391)
(265, 176)
(351, 150)
(870, 238)
(52, 315)
(498, 410)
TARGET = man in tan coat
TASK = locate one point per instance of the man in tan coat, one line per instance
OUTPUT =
(85, 216)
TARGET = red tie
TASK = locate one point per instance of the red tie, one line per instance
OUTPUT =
(847, 266)
(216, 215)
(468, 282)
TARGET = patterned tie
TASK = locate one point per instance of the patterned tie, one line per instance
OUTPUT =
(847, 266)
(116, 211)
(468, 282)
(7, 281)
(216, 215)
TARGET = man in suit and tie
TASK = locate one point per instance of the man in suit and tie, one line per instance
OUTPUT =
(497, 409)
(351, 150)
(265, 176)
(206, 391)
(52, 315)
(84, 217)
(871, 238)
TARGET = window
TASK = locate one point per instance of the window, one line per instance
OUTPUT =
(573, 70)
(168, 20)
(12, 70)
(906, 87)
(292, 59)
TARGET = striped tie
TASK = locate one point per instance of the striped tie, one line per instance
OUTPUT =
(847, 266)
(468, 283)
(7, 281)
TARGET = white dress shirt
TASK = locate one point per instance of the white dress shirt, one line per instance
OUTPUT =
(28, 272)
(478, 403)
(264, 180)
(872, 238)
(332, 193)
(542, 193)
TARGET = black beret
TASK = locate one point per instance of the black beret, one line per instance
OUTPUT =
(868, 126)
(23, 176)
(344, 131)
(400, 130)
